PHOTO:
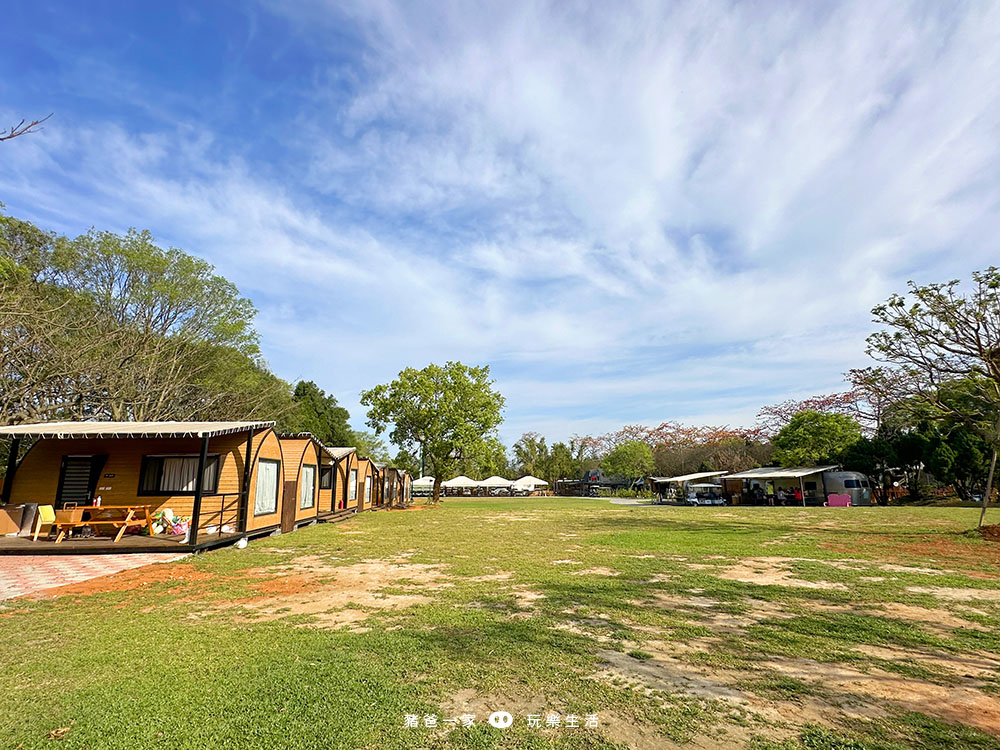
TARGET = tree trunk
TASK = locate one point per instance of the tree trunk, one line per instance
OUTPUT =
(436, 495)
(989, 488)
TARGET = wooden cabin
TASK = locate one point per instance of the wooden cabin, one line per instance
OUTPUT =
(395, 487)
(367, 484)
(300, 493)
(344, 479)
(225, 476)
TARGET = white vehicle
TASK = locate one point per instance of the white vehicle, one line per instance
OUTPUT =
(705, 494)
(851, 483)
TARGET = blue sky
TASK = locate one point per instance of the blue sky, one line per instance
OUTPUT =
(633, 213)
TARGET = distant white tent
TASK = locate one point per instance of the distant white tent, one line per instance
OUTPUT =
(461, 482)
(529, 483)
(424, 483)
(495, 481)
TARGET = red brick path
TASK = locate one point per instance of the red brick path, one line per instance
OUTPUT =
(25, 574)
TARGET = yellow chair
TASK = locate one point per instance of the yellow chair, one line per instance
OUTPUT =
(46, 515)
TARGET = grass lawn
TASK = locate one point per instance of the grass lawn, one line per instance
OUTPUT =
(761, 628)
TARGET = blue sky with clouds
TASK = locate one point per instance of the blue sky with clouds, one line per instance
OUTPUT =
(633, 213)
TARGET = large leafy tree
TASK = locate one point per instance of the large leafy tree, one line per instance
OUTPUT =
(112, 326)
(812, 437)
(531, 455)
(940, 334)
(449, 411)
(631, 459)
(320, 414)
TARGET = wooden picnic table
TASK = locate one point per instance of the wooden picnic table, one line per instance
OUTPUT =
(119, 516)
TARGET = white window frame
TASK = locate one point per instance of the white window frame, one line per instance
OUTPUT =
(353, 487)
(277, 487)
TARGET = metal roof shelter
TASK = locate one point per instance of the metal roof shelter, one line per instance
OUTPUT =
(773, 472)
(688, 477)
(423, 482)
(66, 430)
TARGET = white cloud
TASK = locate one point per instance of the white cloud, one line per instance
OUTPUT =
(634, 213)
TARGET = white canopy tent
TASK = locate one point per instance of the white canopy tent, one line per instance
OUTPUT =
(460, 482)
(682, 481)
(495, 481)
(423, 483)
(529, 483)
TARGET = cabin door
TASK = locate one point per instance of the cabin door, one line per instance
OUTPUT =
(78, 479)
(289, 501)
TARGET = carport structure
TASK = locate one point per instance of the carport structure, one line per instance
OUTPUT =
(661, 485)
(809, 479)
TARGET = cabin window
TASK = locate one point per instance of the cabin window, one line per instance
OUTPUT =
(353, 485)
(326, 478)
(265, 500)
(851, 484)
(176, 475)
(368, 493)
(307, 487)
(864, 483)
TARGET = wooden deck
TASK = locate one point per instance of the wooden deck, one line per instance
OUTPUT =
(19, 545)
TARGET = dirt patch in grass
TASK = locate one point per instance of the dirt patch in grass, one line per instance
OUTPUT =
(129, 580)
(961, 704)
(771, 571)
(957, 595)
(596, 571)
(990, 533)
(337, 596)
(940, 619)
(953, 550)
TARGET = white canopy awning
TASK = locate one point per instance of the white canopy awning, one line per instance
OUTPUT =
(460, 482)
(529, 482)
(689, 477)
(495, 481)
(773, 472)
(423, 482)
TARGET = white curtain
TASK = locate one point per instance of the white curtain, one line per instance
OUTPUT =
(180, 474)
(354, 484)
(307, 487)
(368, 492)
(266, 497)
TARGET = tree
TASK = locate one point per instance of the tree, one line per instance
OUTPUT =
(632, 459)
(812, 437)
(938, 335)
(113, 327)
(531, 455)
(450, 411)
(22, 128)
(562, 464)
(320, 414)
(369, 445)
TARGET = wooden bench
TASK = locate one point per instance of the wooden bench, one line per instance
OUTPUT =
(117, 516)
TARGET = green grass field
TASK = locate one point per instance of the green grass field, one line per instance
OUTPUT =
(763, 628)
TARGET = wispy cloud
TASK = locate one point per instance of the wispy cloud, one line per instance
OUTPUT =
(634, 214)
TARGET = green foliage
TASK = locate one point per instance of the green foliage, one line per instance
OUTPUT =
(451, 411)
(631, 459)
(319, 414)
(369, 445)
(813, 437)
(108, 326)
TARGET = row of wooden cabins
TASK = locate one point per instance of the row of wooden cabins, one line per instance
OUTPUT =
(232, 479)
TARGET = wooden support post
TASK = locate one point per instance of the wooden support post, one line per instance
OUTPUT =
(802, 491)
(199, 490)
(241, 520)
(8, 478)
